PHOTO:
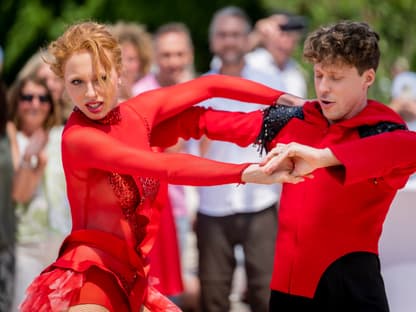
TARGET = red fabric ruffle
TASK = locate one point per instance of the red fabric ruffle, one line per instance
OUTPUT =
(52, 291)
(156, 302)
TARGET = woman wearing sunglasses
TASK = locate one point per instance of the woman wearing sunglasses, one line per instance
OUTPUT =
(39, 184)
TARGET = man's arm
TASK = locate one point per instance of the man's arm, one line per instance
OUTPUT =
(373, 156)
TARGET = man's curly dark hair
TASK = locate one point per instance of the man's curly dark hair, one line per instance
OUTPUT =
(347, 42)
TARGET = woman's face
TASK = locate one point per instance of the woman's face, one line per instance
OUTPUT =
(83, 87)
(34, 106)
(54, 83)
(131, 62)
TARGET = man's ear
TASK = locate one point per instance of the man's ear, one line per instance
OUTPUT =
(369, 77)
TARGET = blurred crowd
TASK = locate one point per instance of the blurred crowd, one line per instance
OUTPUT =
(220, 227)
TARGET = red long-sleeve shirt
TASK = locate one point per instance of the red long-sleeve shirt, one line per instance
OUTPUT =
(342, 209)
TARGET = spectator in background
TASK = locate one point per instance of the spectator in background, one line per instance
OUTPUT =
(274, 41)
(36, 66)
(230, 216)
(136, 51)
(403, 92)
(401, 64)
(39, 183)
(173, 55)
(7, 213)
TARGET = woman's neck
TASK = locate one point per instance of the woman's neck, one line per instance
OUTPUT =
(28, 130)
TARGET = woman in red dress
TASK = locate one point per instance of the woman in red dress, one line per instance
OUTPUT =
(112, 175)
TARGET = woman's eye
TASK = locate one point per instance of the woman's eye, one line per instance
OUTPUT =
(76, 82)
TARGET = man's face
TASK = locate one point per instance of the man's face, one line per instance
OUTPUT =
(229, 39)
(281, 44)
(174, 57)
(341, 91)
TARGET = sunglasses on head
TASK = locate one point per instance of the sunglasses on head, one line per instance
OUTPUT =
(30, 97)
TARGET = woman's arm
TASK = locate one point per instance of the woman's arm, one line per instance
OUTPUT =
(240, 128)
(12, 135)
(29, 173)
(236, 127)
(86, 148)
(169, 101)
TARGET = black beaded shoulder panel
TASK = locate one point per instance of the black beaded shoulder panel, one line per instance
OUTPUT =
(274, 119)
(381, 127)
(277, 116)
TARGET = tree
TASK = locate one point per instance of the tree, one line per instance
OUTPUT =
(30, 24)
(392, 19)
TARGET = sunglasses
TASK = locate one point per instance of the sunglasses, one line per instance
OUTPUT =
(29, 98)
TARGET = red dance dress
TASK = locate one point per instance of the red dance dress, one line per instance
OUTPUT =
(165, 267)
(112, 177)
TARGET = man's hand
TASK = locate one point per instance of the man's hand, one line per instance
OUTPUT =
(305, 159)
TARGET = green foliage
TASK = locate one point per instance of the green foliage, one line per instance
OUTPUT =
(394, 20)
(27, 27)
(29, 24)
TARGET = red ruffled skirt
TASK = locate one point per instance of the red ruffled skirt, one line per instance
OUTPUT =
(111, 275)
(53, 291)
(59, 289)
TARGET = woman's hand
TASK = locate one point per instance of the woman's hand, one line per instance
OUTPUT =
(33, 153)
(282, 174)
(29, 173)
(37, 142)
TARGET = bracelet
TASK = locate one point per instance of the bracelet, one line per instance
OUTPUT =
(32, 163)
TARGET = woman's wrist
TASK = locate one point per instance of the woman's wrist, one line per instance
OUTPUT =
(290, 100)
(29, 162)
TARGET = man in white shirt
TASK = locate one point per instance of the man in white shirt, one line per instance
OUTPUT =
(231, 215)
(274, 41)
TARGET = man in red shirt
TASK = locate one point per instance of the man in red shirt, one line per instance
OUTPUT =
(329, 227)
(326, 255)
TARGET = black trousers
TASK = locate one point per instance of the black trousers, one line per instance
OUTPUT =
(353, 283)
(216, 238)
